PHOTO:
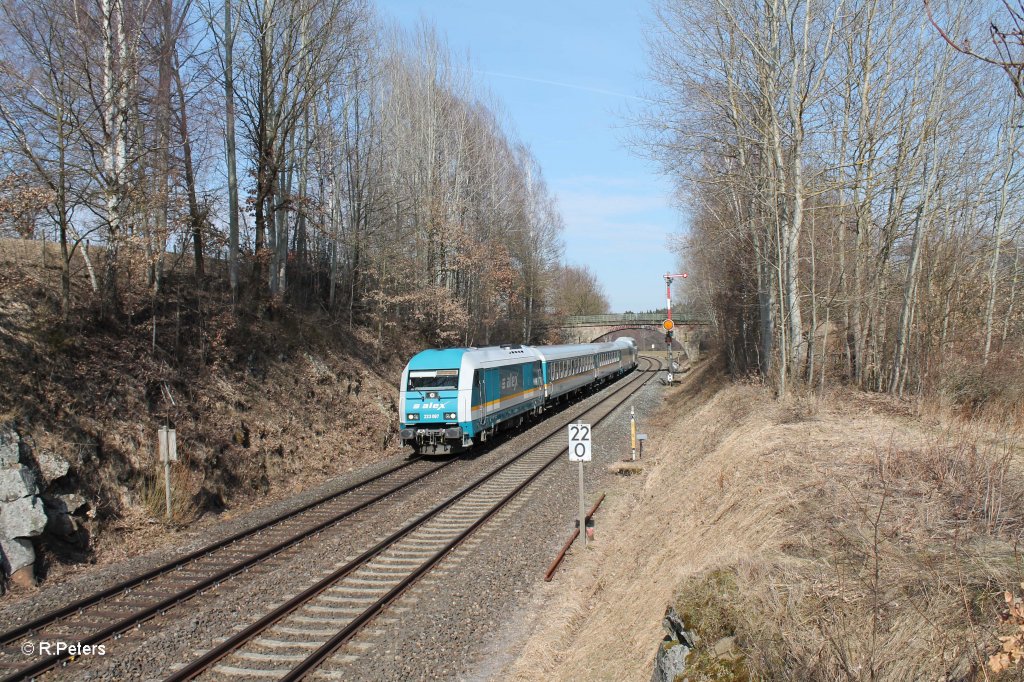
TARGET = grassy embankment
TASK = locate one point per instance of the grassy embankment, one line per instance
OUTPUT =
(840, 537)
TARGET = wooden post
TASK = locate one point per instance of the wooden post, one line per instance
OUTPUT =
(168, 445)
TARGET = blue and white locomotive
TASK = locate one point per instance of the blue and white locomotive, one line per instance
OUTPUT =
(453, 398)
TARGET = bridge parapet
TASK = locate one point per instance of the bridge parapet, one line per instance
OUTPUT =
(644, 319)
(690, 331)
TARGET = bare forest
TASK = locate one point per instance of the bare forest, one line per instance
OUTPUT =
(297, 153)
(853, 176)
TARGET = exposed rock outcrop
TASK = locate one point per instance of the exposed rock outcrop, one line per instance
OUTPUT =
(52, 466)
(670, 660)
(26, 512)
(16, 482)
(9, 447)
(23, 518)
(22, 515)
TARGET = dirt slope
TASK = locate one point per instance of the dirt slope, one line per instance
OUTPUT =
(833, 539)
(266, 402)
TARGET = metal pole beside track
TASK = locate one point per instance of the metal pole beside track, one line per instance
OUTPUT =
(583, 508)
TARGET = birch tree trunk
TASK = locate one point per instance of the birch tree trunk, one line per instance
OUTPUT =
(114, 148)
(1010, 149)
(229, 141)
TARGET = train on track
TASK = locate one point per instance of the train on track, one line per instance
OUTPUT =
(453, 398)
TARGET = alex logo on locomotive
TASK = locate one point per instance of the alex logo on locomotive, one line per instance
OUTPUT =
(509, 382)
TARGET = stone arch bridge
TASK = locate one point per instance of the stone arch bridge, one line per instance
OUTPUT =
(689, 334)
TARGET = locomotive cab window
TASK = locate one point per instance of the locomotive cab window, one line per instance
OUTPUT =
(444, 379)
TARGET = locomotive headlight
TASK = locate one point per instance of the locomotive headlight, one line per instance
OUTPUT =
(412, 416)
(451, 415)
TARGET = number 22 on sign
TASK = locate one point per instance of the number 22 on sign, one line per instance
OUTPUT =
(579, 442)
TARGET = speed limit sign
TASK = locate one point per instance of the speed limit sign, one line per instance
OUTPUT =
(579, 442)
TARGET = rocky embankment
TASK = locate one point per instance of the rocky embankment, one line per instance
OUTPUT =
(266, 401)
(33, 510)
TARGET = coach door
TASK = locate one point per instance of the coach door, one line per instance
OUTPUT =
(479, 395)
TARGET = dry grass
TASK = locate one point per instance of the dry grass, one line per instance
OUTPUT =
(992, 390)
(835, 538)
(626, 468)
(184, 487)
(268, 401)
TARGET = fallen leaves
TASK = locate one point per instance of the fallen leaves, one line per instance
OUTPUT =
(1012, 651)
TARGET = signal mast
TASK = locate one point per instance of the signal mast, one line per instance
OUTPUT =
(668, 324)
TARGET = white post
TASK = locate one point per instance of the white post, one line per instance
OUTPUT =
(583, 509)
(632, 432)
(168, 447)
(167, 486)
(164, 446)
(579, 451)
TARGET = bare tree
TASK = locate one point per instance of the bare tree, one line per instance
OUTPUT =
(1007, 37)
(579, 292)
(781, 114)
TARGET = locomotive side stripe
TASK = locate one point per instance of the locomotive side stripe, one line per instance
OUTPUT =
(506, 397)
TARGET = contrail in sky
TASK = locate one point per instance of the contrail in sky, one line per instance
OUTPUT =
(562, 85)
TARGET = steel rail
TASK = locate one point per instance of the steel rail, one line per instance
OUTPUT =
(327, 649)
(144, 614)
(48, 618)
(214, 655)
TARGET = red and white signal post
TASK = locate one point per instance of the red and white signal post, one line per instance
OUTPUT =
(668, 324)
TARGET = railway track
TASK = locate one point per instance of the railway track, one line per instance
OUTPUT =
(109, 613)
(301, 637)
(127, 604)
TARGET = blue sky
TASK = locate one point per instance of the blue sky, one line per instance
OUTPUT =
(566, 72)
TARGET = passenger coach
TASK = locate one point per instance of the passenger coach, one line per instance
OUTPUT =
(453, 398)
